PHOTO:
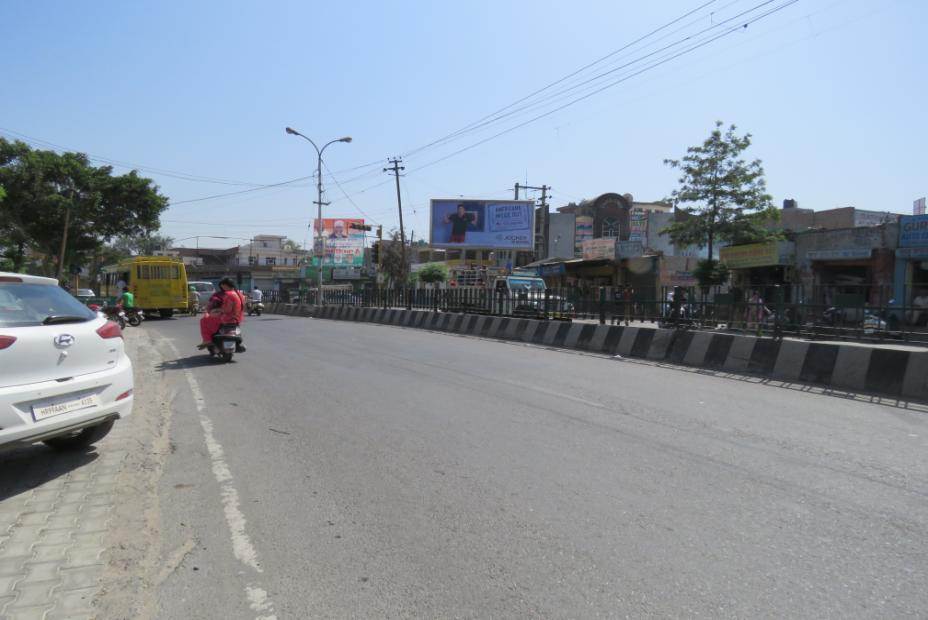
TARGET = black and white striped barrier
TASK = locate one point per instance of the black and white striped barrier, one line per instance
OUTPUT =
(850, 367)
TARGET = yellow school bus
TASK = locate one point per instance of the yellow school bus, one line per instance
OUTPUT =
(159, 283)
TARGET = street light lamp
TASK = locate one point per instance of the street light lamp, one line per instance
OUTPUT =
(346, 139)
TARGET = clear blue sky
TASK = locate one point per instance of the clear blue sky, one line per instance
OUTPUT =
(834, 93)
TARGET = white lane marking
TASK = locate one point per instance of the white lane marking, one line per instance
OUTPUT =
(242, 547)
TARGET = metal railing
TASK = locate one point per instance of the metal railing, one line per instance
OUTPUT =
(660, 307)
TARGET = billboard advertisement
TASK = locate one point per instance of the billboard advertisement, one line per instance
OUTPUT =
(493, 224)
(598, 249)
(583, 231)
(344, 246)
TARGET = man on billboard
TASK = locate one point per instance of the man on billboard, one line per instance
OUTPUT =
(338, 230)
(459, 222)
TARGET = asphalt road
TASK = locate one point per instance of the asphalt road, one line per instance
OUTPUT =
(369, 471)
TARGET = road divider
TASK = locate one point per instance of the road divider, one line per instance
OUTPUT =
(852, 367)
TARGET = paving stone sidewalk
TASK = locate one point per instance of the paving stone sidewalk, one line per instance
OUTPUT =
(55, 510)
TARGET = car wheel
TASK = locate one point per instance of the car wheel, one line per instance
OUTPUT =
(81, 439)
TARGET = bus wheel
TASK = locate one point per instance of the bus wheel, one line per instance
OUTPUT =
(166, 313)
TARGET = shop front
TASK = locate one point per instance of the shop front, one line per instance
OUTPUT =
(910, 287)
(850, 267)
(761, 267)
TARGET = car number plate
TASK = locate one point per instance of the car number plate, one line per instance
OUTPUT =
(66, 406)
(228, 345)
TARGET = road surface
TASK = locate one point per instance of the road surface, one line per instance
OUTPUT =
(355, 470)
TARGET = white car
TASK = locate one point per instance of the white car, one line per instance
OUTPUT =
(64, 375)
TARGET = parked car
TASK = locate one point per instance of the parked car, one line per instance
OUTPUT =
(85, 293)
(64, 375)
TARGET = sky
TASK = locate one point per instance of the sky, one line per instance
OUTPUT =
(196, 95)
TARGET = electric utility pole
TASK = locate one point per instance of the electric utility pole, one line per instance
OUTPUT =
(395, 171)
(541, 248)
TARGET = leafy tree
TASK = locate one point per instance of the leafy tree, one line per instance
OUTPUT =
(289, 245)
(141, 245)
(721, 197)
(392, 260)
(45, 187)
(433, 273)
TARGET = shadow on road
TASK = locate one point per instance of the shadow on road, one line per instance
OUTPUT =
(193, 361)
(23, 468)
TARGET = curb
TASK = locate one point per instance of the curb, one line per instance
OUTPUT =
(859, 368)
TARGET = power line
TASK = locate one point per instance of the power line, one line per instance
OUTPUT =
(609, 85)
(244, 191)
(349, 198)
(574, 89)
(560, 80)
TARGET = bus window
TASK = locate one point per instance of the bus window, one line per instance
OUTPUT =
(175, 272)
(144, 272)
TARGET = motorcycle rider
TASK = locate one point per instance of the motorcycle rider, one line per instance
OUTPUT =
(257, 295)
(126, 300)
(225, 307)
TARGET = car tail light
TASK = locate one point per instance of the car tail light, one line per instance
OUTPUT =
(110, 330)
(125, 394)
(6, 341)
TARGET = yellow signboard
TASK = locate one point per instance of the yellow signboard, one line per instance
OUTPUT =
(755, 255)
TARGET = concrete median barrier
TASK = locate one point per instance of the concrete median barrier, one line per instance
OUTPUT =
(853, 367)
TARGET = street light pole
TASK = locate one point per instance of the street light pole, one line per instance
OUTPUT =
(319, 203)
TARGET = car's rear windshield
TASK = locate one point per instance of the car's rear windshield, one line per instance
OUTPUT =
(203, 287)
(23, 304)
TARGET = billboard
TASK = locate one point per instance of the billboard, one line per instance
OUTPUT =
(495, 224)
(344, 246)
(583, 231)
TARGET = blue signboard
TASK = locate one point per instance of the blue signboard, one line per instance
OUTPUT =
(913, 231)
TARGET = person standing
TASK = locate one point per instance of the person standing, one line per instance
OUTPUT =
(459, 222)
(628, 294)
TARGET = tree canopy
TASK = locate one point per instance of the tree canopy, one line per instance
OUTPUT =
(721, 196)
(43, 186)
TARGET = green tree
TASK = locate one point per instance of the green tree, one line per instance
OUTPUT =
(433, 273)
(721, 197)
(141, 245)
(44, 188)
(289, 245)
(392, 260)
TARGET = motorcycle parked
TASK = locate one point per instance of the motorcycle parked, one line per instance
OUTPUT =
(226, 342)
(254, 308)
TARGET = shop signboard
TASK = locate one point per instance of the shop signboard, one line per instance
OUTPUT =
(583, 232)
(629, 249)
(598, 249)
(346, 273)
(489, 224)
(344, 245)
(638, 226)
(756, 254)
(913, 231)
(678, 271)
(839, 254)
(556, 269)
